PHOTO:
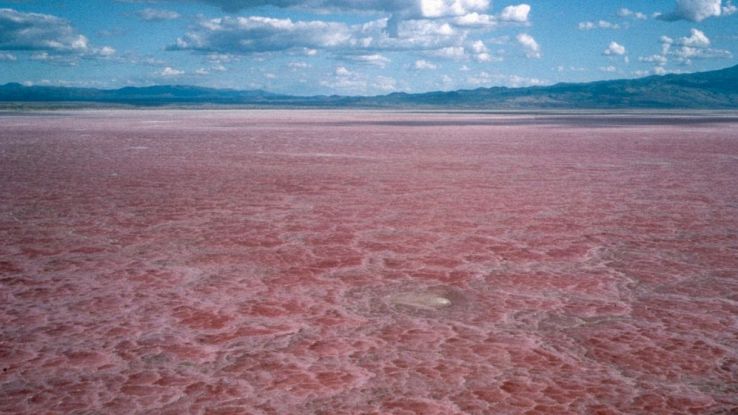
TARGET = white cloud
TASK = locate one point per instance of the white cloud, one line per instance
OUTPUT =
(170, 72)
(407, 9)
(157, 15)
(729, 8)
(655, 59)
(480, 52)
(298, 65)
(342, 71)
(625, 12)
(693, 10)
(694, 46)
(221, 58)
(451, 52)
(479, 47)
(8, 57)
(614, 48)
(442, 8)
(484, 78)
(518, 14)
(375, 59)
(346, 81)
(531, 47)
(475, 20)
(696, 38)
(256, 34)
(684, 50)
(562, 68)
(423, 64)
(48, 35)
(608, 69)
(106, 51)
(602, 24)
(422, 26)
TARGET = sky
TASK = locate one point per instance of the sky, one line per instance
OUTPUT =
(359, 47)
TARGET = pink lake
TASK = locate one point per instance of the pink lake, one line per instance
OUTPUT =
(365, 262)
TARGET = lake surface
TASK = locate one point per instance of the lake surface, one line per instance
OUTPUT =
(364, 262)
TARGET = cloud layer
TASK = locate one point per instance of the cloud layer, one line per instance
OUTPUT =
(156, 15)
(441, 37)
(415, 8)
(49, 36)
(698, 10)
(683, 50)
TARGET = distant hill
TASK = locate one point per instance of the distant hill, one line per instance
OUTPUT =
(707, 90)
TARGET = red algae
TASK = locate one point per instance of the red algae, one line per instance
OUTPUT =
(348, 262)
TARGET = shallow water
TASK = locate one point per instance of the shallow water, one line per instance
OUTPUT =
(316, 262)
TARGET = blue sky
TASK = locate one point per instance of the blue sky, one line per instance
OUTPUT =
(359, 47)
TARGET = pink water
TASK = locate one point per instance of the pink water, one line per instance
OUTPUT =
(308, 262)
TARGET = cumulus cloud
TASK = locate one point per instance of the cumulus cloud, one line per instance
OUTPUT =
(602, 24)
(49, 38)
(39, 32)
(422, 64)
(658, 60)
(625, 12)
(529, 44)
(480, 53)
(259, 34)
(375, 59)
(484, 78)
(105, 51)
(441, 8)
(342, 71)
(450, 52)
(157, 15)
(518, 14)
(683, 50)
(298, 65)
(170, 72)
(476, 20)
(254, 34)
(694, 46)
(729, 8)
(694, 10)
(467, 12)
(697, 38)
(350, 82)
(411, 9)
(430, 27)
(614, 48)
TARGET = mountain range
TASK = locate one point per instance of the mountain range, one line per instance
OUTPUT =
(701, 90)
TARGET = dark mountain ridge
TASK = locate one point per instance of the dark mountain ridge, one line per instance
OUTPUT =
(708, 90)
